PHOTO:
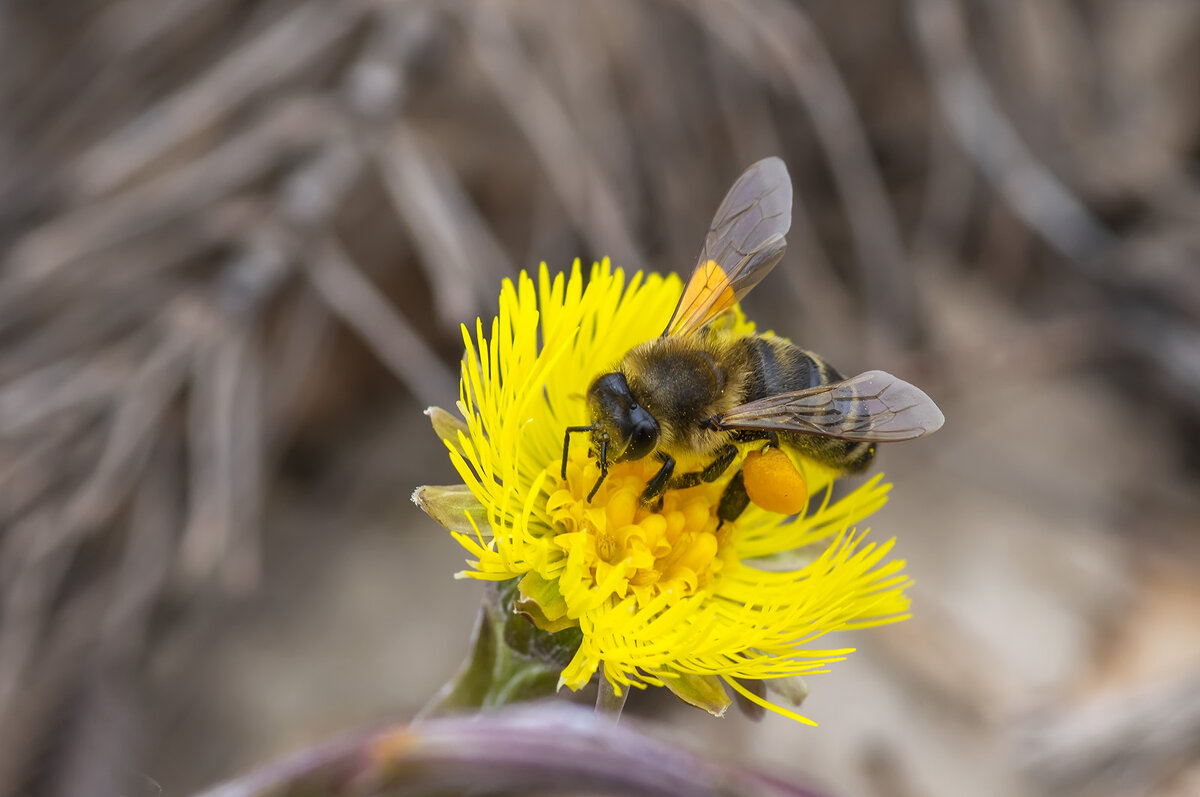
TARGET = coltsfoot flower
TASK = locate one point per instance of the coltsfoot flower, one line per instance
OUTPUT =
(663, 594)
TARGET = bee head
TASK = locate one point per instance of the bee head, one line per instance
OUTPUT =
(625, 427)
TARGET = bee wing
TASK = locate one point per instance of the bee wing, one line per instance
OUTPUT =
(744, 242)
(871, 407)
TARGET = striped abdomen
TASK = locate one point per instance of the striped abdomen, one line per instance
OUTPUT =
(778, 366)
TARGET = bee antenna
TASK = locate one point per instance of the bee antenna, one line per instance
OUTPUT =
(603, 469)
(567, 443)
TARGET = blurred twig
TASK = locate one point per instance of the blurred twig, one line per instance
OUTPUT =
(1157, 309)
(1044, 203)
(271, 57)
(455, 244)
(582, 187)
(779, 36)
(186, 189)
(1119, 745)
(361, 306)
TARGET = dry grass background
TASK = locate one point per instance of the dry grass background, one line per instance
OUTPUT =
(237, 240)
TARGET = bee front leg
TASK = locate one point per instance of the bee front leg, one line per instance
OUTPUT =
(658, 482)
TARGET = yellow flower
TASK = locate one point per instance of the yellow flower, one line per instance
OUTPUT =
(662, 595)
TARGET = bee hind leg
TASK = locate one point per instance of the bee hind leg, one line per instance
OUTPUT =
(860, 457)
(734, 500)
(848, 456)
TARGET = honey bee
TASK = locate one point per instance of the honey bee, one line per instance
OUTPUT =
(699, 390)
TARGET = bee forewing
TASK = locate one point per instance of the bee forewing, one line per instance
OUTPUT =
(871, 407)
(895, 407)
(757, 208)
(742, 245)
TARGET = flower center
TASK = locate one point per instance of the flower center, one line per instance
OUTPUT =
(621, 547)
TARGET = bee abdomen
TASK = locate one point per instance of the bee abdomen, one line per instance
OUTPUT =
(778, 366)
(782, 367)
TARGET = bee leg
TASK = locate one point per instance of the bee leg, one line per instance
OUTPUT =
(711, 472)
(734, 500)
(718, 466)
(603, 469)
(845, 455)
(567, 443)
(753, 435)
(684, 481)
(659, 482)
(860, 457)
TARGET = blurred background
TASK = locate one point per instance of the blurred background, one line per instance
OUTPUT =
(237, 239)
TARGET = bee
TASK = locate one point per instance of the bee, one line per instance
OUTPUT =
(698, 391)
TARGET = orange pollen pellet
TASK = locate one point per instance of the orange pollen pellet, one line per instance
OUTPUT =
(773, 483)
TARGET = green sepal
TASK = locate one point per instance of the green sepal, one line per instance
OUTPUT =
(792, 690)
(541, 601)
(510, 659)
(447, 426)
(702, 691)
(453, 506)
(526, 639)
